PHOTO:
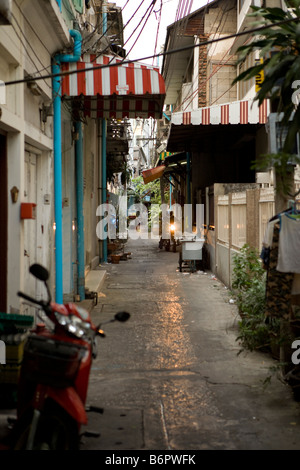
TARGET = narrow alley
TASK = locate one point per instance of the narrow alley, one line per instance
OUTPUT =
(171, 377)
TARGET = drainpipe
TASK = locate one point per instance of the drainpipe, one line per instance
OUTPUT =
(104, 195)
(79, 204)
(56, 84)
(104, 19)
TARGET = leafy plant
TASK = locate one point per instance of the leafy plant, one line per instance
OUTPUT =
(279, 49)
(152, 189)
(247, 268)
(249, 286)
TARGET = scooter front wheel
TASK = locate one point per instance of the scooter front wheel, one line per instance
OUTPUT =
(55, 431)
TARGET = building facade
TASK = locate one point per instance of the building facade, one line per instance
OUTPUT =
(220, 127)
(63, 132)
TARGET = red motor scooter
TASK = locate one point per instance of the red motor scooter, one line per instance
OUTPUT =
(54, 376)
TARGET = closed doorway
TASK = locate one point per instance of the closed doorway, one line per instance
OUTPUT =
(3, 223)
(30, 228)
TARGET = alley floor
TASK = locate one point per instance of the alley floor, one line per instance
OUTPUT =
(171, 377)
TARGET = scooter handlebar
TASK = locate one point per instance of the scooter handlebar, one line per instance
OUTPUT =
(27, 297)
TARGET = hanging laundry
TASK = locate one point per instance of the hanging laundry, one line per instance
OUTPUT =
(289, 244)
(267, 242)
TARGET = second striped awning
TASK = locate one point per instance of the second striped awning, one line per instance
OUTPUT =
(237, 112)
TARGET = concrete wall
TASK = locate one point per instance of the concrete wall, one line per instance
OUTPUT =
(255, 202)
(22, 125)
(38, 31)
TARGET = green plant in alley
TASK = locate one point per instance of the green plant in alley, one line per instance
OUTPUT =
(278, 51)
(151, 189)
(249, 287)
(247, 268)
(141, 190)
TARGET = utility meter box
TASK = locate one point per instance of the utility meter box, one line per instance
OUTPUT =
(28, 210)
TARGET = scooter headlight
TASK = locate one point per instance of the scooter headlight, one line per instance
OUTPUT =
(72, 325)
(77, 327)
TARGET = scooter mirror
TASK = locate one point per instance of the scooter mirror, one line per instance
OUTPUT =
(39, 272)
(122, 316)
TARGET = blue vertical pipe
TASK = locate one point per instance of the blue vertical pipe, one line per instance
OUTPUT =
(104, 195)
(104, 18)
(57, 184)
(56, 85)
(79, 204)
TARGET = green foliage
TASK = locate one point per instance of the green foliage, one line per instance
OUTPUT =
(152, 189)
(280, 50)
(247, 268)
(249, 286)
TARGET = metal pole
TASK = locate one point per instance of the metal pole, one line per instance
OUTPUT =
(79, 203)
(58, 159)
(57, 185)
(104, 194)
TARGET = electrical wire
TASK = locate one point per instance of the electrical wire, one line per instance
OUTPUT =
(158, 28)
(165, 53)
(190, 97)
(104, 35)
(32, 29)
(180, 28)
(150, 8)
(198, 34)
(98, 26)
(26, 50)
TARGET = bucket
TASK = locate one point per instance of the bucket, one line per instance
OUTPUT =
(115, 259)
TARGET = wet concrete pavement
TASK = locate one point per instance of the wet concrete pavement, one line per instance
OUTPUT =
(171, 377)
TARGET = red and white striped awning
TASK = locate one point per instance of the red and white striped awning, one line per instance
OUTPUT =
(127, 90)
(237, 112)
